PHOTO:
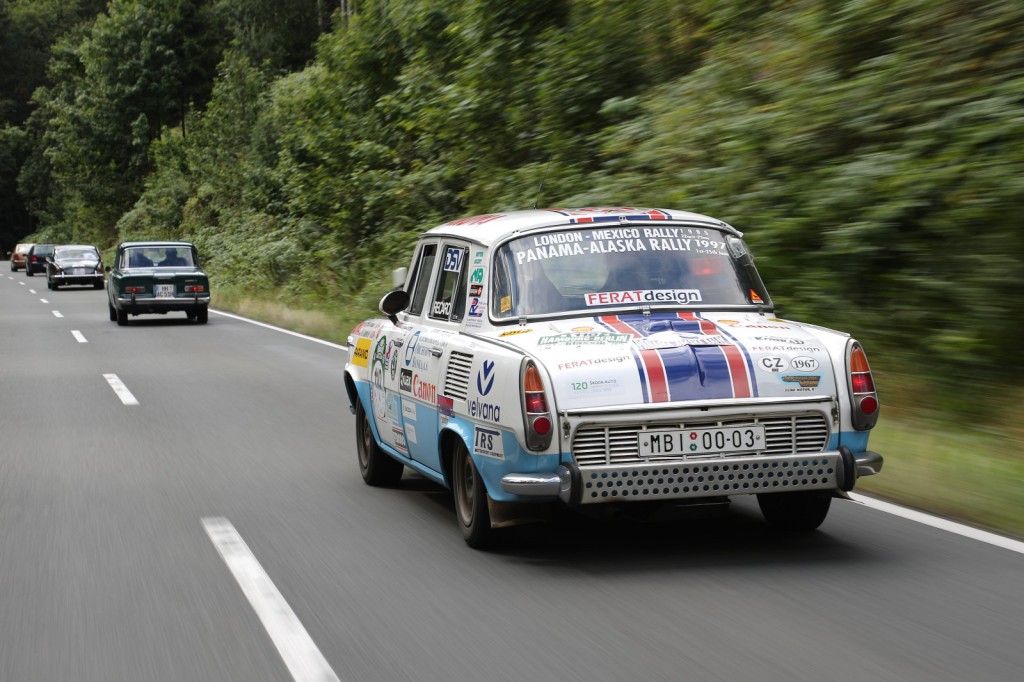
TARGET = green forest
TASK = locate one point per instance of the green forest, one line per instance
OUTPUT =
(872, 151)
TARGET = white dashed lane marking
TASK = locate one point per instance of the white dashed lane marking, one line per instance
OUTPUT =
(297, 649)
(43, 300)
(56, 313)
(31, 291)
(120, 389)
(78, 336)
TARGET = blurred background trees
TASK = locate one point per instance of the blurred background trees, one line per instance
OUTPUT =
(871, 150)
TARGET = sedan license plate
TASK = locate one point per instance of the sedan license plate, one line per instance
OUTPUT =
(687, 442)
(163, 290)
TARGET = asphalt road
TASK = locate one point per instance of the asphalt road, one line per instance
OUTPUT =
(107, 571)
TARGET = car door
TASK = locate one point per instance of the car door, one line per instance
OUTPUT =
(426, 350)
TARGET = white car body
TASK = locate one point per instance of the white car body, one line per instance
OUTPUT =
(668, 388)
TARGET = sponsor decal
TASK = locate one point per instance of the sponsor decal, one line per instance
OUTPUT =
(804, 364)
(590, 362)
(754, 298)
(773, 364)
(445, 405)
(391, 358)
(441, 309)
(476, 290)
(453, 259)
(678, 340)
(515, 332)
(485, 378)
(487, 442)
(780, 339)
(377, 395)
(424, 390)
(680, 296)
(478, 258)
(804, 380)
(594, 386)
(584, 339)
(410, 433)
(477, 277)
(582, 329)
(410, 348)
(486, 411)
(474, 323)
(766, 326)
(476, 307)
(361, 353)
(409, 410)
(776, 348)
(405, 381)
(729, 322)
(506, 304)
(398, 439)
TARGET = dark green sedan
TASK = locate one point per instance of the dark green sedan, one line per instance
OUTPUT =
(157, 278)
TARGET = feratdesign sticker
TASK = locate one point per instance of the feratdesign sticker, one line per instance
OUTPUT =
(676, 296)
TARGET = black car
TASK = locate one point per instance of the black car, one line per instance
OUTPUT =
(74, 265)
(35, 259)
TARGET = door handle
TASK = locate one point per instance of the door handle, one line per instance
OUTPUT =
(436, 352)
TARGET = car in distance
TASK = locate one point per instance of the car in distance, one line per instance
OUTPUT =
(35, 258)
(18, 256)
(156, 278)
(609, 359)
(74, 264)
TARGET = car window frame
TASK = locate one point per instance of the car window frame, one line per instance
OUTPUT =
(457, 302)
(416, 298)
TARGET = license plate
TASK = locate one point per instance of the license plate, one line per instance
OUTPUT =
(163, 290)
(685, 442)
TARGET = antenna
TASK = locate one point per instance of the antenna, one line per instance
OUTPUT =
(542, 179)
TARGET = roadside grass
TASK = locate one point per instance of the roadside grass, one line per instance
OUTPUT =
(935, 460)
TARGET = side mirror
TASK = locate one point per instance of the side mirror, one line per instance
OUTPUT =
(393, 303)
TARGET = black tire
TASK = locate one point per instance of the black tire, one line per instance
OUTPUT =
(28, 272)
(203, 315)
(470, 495)
(113, 313)
(376, 466)
(97, 285)
(122, 318)
(797, 511)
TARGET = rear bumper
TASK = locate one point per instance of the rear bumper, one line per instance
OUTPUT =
(674, 480)
(63, 278)
(134, 305)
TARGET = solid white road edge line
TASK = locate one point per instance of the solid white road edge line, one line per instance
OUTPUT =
(940, 523)
(78, 336)
(279, 329)
(120, 389)
(300, 654)
(56, 313)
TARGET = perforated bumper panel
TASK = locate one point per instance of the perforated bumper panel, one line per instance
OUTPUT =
(733, 476)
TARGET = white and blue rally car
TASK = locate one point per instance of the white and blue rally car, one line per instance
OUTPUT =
(604, 358)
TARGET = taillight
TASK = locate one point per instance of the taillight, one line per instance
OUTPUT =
(133, 290)
(864, 407)
(194, 288)
(536, 412)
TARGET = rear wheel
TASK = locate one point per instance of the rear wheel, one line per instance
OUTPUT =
(97, 285)
(471, 501)
(122, 318)
(797, 511)
(378, 469)
(28, 272)
(113, 313)
(202, 315)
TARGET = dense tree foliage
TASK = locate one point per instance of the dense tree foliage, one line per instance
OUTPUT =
(872, 150)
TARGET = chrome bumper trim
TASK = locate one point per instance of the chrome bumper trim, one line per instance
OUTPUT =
(191, 300)
(868, 463)
(532, 485)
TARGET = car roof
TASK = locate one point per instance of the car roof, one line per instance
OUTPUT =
(124, 245)
(490, 228)
(76, 246)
